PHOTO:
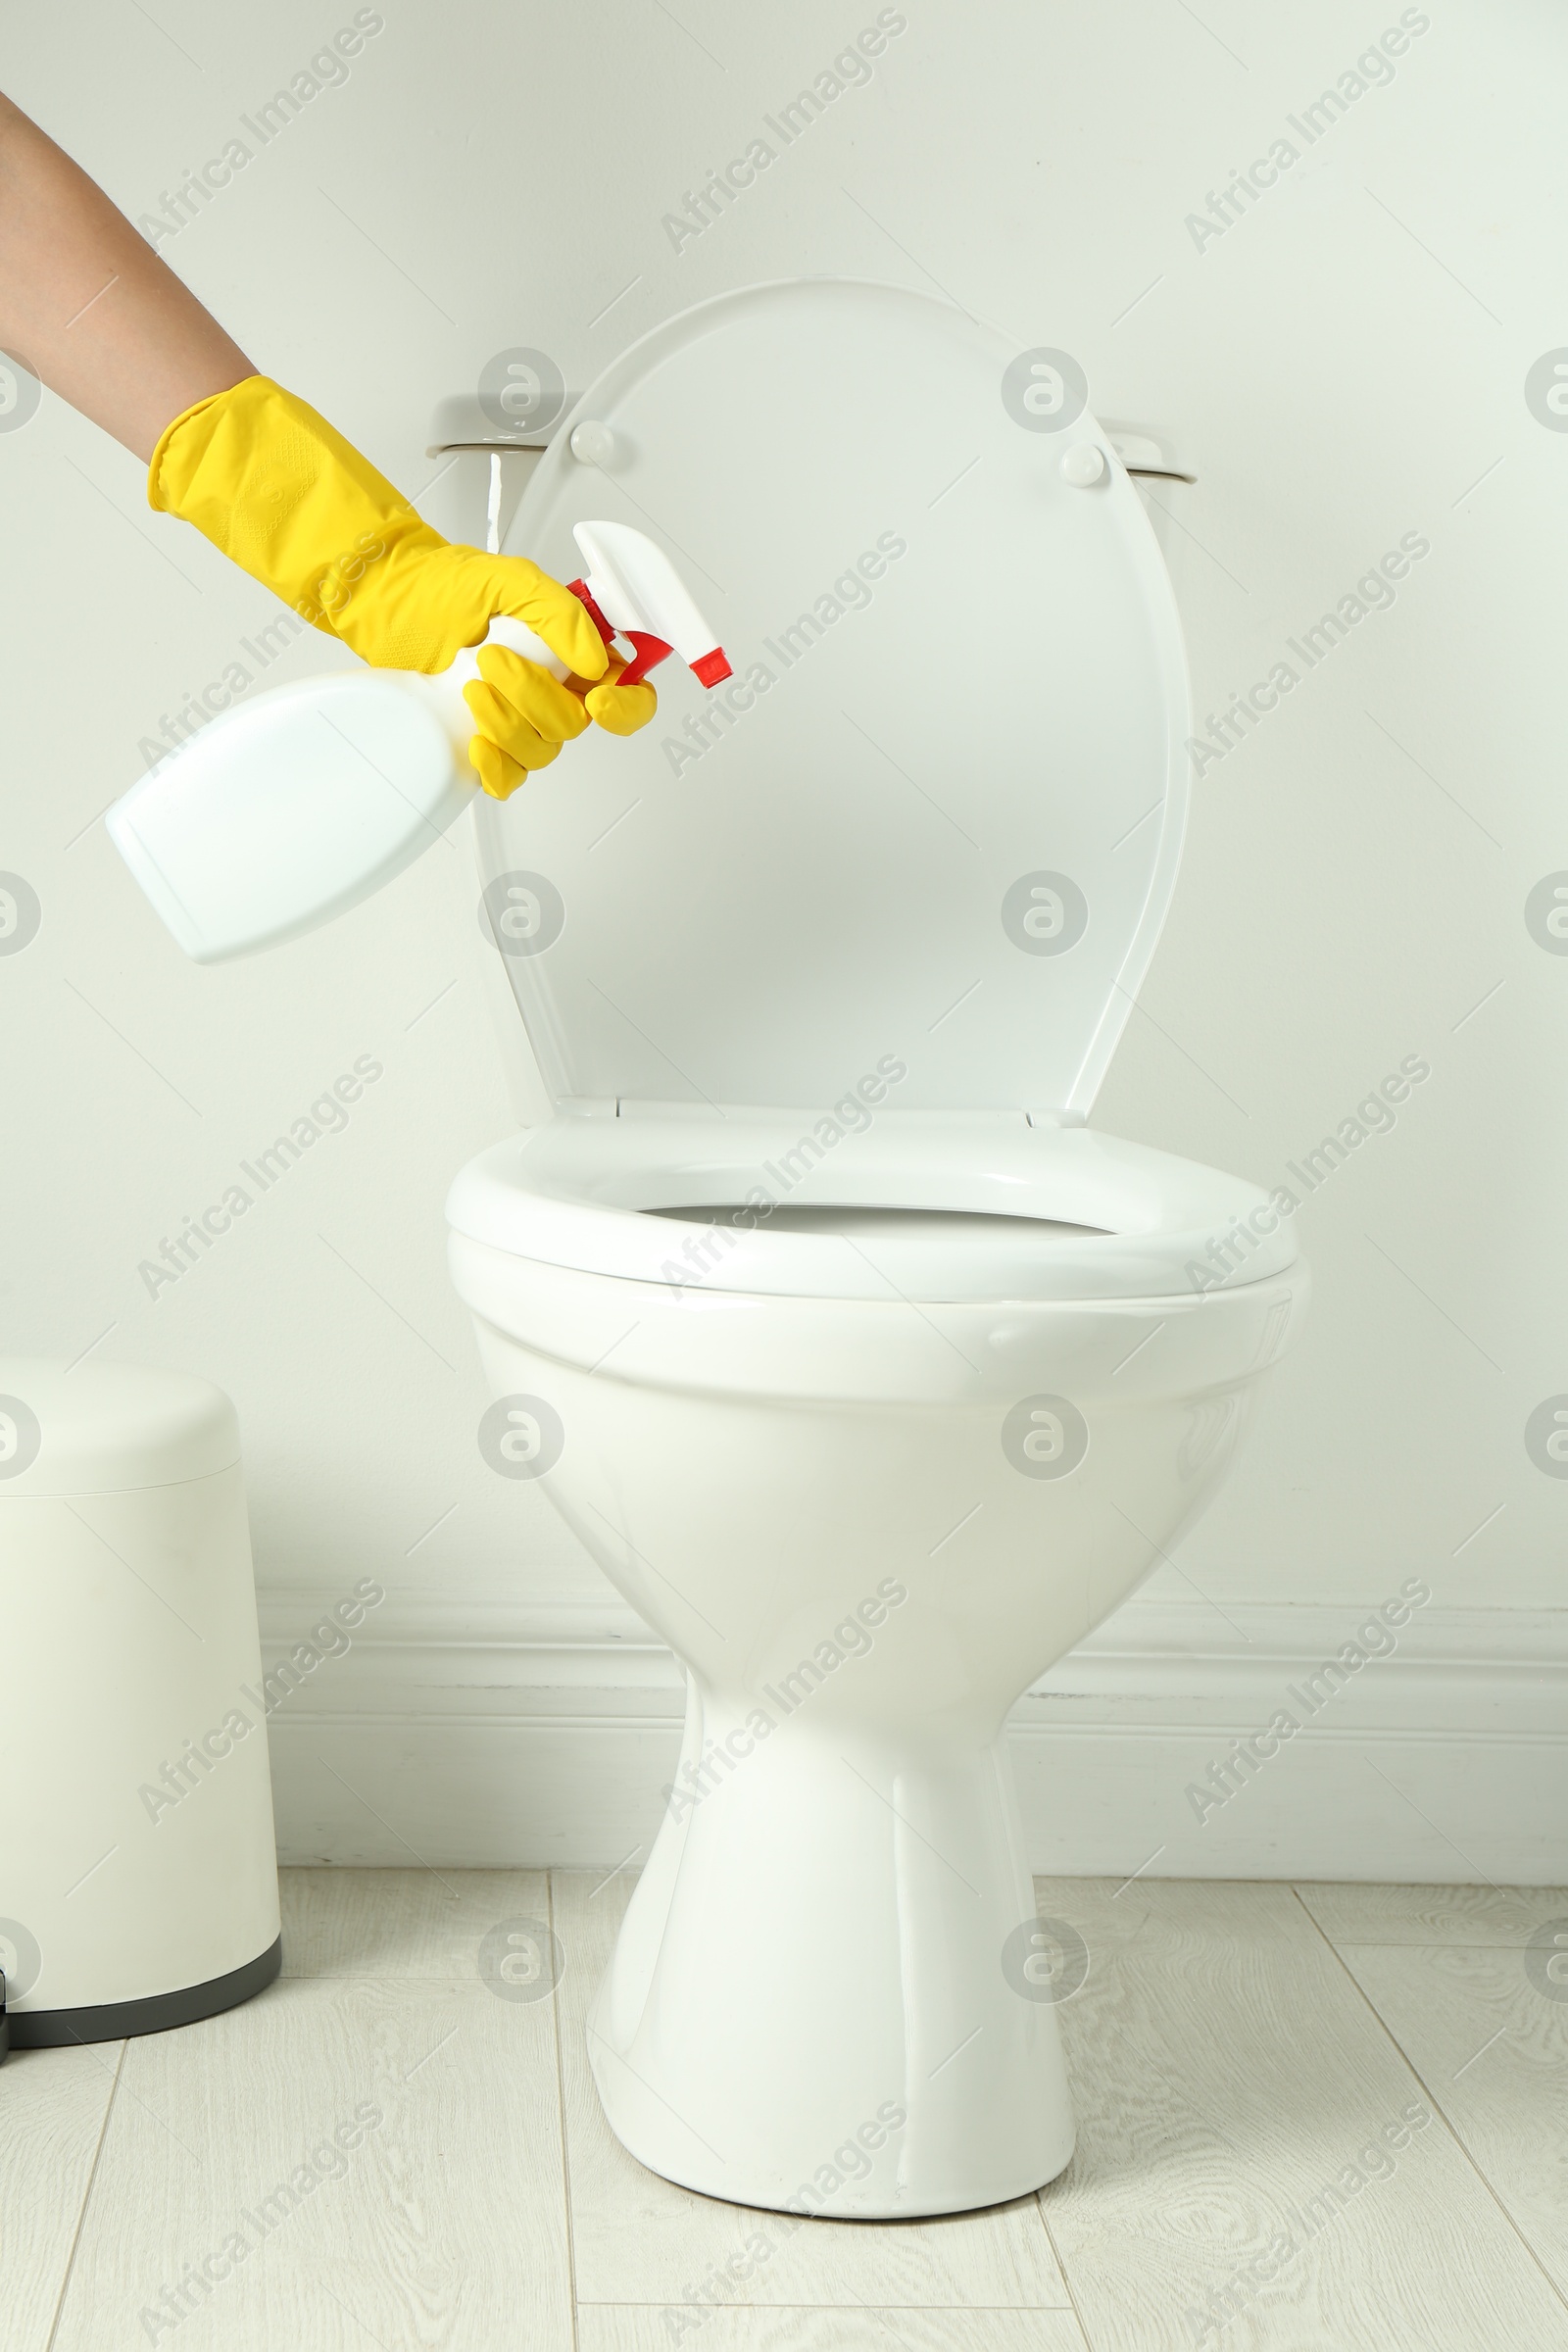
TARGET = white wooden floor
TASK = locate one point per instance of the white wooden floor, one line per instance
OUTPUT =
(1236, 2052)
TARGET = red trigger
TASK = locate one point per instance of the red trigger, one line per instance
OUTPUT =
(646, 651)
(646, 654)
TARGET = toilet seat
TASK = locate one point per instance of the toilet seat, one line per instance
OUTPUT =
(583, 1193)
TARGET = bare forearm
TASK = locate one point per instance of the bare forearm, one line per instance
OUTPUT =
(87, 303)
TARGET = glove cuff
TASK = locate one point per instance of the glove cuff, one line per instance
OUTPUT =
(279, 490)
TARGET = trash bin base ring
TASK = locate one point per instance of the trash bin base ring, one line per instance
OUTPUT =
(113, 2021)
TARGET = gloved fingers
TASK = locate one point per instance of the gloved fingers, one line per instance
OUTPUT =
(553, 612)
(551, 709)
(620, 710)
(499, 724)
(523, 714)
(498, 774)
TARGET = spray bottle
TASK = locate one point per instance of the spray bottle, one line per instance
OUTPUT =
(290, 808)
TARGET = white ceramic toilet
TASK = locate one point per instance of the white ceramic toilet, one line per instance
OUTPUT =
(868, 1373)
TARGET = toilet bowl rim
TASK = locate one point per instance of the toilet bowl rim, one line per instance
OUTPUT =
(1122, 1354)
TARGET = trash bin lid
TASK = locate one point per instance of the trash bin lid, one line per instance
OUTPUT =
(97, 1429)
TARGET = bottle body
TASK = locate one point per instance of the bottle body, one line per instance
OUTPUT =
(289, 809)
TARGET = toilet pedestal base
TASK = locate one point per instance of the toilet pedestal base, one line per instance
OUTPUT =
(830, 1994)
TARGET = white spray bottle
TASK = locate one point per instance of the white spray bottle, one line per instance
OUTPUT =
(290, 808)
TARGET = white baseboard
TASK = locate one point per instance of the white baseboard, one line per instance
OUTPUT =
(475, 1733)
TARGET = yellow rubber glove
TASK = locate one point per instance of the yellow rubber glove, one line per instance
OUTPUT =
(518, 705)
(285, 497)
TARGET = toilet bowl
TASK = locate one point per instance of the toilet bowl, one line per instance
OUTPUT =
(868, 1371)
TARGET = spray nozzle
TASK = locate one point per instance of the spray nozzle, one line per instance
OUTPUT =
(632, 590)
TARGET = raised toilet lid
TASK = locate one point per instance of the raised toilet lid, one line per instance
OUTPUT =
(937, 813)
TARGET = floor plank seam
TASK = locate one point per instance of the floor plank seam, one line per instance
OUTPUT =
(856, 2303)
(1438, 2107)
(87, 2199)
(560, 2113)
(1051, 2236)
(1066, 2276)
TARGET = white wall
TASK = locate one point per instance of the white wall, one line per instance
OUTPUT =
(1344, 364)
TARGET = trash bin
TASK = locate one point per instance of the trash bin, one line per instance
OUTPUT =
(139, 1870)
